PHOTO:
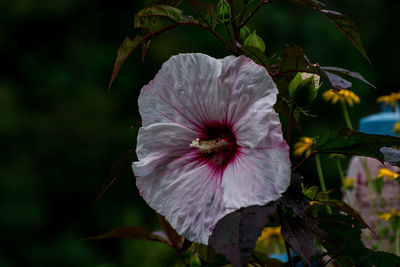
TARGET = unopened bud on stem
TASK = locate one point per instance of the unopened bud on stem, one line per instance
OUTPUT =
(255, 41)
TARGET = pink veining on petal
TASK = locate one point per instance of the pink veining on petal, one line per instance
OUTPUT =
(240, 158)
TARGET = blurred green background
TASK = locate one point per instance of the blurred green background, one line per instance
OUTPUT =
(60, 129)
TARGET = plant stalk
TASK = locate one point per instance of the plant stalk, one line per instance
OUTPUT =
(340, 170)
(346, 115)
(321, 178)
(288, 254)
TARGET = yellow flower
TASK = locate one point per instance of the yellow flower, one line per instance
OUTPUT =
(270, 235)
(348, 183)
(388, 216)
(388, 174)
(396, 128)
(389, 99)
(345, 96)
(303, 146)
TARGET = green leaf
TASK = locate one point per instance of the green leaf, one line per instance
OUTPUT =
(294, 84)
(256, 55)
(206, 253)
(310, 192)
(236, 234)
(352, 142)
(205, 11)
(156, 17)
(356, 75)
(130, 232)
(123, 162)
(302, 90)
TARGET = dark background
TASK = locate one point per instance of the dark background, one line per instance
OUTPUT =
(60, 129)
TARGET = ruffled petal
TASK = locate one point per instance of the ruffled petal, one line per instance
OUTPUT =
(192, 96)
(256, 177)
(167, 139)
(259, 126)
(177, 185)
(245, 83)
(185, 91)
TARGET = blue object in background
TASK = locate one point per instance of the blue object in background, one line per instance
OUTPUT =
(283, 257)
(381, 123)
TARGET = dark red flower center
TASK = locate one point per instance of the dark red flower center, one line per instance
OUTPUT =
(217, 145)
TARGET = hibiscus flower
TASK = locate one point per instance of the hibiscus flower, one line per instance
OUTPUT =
(210, 143)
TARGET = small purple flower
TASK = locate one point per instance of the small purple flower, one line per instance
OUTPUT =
(211, 142)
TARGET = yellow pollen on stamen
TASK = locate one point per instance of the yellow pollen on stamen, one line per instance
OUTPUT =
(210, 146)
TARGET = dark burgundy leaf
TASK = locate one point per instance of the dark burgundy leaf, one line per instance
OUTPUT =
(205, 11)
(256, 55)
(391, 156)
(352, 142)
(343, 22)
(293, 198)
(299, 233)
(130, 232)
(342, 206)
(345, 72)
(236, 234)
(173, 236)
(174, 3)
(338, 82)
(294, 60)
(152, 21)
(126, 48)
(348, 28)
(123, 162)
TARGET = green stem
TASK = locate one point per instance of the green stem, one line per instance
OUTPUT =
(291, 264)
(340, 169)
(399, 191)
(321, 178)
(397, 245)
(346, 115)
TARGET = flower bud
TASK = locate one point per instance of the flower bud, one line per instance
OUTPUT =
(244, 32)
(255, 41)
(303, 88)
(224, 11)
